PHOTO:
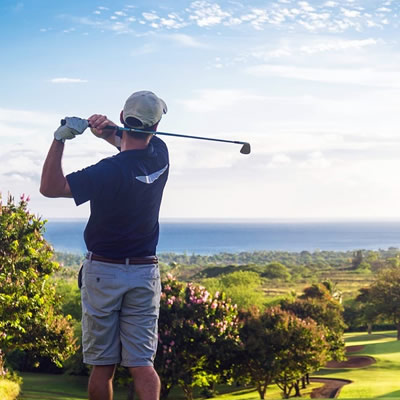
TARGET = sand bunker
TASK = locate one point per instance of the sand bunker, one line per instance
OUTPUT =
(332, 387)
(352, 362)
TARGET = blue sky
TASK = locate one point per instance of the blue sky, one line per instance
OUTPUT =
(313, 85)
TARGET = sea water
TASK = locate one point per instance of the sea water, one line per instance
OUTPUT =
(206, 238)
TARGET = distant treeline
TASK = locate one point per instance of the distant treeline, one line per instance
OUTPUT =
(282, 265)
(317, 258)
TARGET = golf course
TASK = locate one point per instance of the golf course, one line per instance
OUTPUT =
(380, 379)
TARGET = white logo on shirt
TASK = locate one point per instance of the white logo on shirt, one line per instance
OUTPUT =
(152, 177)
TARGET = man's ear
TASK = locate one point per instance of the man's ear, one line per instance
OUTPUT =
(121, 117)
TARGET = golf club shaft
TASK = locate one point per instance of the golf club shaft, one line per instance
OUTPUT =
(173, 134)
(246, 148)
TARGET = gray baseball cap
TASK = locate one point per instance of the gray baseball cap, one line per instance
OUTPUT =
(144, 106)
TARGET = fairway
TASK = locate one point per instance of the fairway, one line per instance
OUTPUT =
(377, 380)
(64, 387)
(381, 379)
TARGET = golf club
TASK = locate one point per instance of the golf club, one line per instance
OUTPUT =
(246, 149)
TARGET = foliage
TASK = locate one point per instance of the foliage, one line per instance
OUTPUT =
(384, 296)
(70, 298)
(242, 287)
(317, 303)
(197, 334)
(9, 390)
(279, 347)
(68, 259)
(8, 373)
(276, 270)
(30, 317)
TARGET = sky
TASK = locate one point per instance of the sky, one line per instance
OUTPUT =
(314, 86)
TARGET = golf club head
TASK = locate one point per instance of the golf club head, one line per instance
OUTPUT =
(246, 149)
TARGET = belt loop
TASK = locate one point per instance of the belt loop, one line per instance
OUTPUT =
(89, 255)
(127, 261)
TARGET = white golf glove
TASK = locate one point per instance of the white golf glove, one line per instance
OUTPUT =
(73, 126)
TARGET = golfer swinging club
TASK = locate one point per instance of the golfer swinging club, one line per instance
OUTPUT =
(120, 279)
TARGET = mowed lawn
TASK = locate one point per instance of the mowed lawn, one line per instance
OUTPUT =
(57, 387)
(381, 379)
(64, 387)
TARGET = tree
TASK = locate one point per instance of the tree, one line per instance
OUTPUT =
(358, 258)
(30, 315)
(384, 295)
(317, 303)
(197, 335)
(367, 310)
(279, 347)
(276, 270)
(242, 287)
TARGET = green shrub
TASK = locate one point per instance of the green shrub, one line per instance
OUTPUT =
(8, 390)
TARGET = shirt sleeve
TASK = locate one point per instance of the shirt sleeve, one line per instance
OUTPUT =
(160, 148)
(89, 183)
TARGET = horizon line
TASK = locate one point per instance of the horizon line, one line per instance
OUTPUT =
(253, 220)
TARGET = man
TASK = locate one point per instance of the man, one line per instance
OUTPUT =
(120, 285)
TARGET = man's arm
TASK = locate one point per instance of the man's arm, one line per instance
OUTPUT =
(97, 126)
(53, 182)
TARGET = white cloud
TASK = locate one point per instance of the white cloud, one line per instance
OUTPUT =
(334, 45)
(213, 99)
(26, 117)
(68, 80)
(150, 16)
(186, 40)
(279, 160)
(350, 13)
(383, 9)
(315, 160)
(367, 76)
(207, 14)
(306, 6)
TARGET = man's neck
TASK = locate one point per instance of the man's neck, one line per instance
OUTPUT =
(133, 144)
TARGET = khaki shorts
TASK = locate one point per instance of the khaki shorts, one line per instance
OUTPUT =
(120, 307)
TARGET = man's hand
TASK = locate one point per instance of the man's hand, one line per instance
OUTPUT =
(73, 126)
(97, 126)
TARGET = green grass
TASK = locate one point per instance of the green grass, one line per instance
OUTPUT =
(64, 387)
(37, 386)
(379, 380)
(8, 390)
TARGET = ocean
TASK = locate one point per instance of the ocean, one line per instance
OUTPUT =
(207, 238)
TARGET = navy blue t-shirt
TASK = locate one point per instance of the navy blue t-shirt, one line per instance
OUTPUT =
(125, 194)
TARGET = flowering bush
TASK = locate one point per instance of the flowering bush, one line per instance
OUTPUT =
(197, 334)
(30, 312)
